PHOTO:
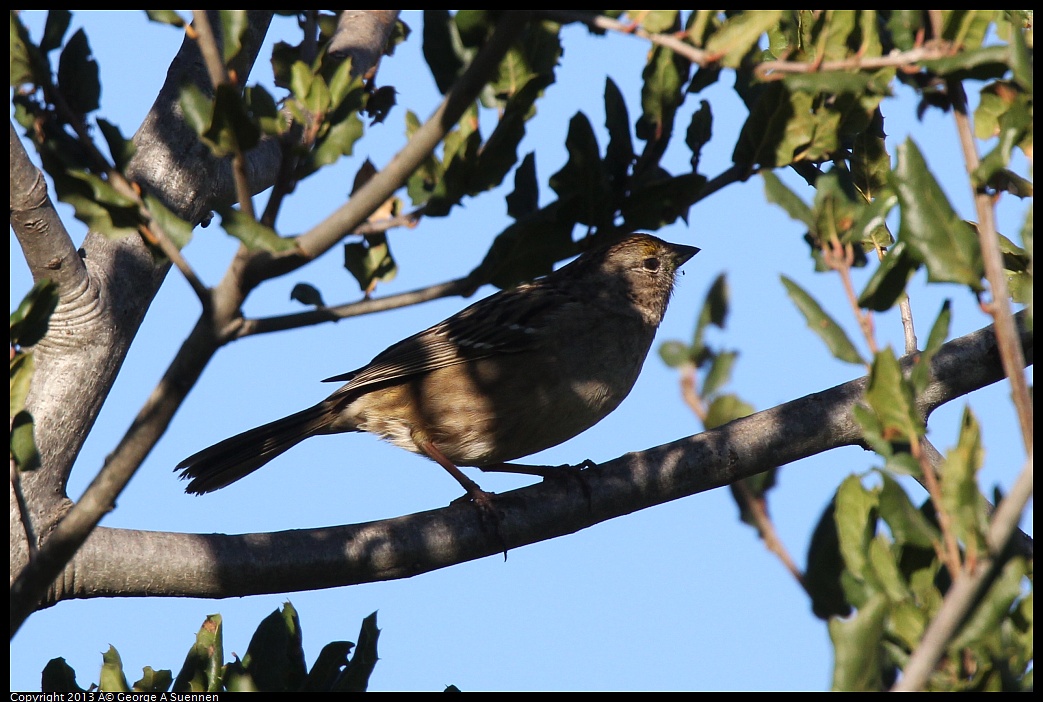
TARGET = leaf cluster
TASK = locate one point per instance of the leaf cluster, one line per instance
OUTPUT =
(274, 662)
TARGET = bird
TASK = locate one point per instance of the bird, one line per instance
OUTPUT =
(517, 372)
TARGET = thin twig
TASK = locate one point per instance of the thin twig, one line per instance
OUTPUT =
(840, 257)
(23, 510)
(249, 327)
(967, 587)
(908, 330)
(777, 70)
(156, 236)
(151, 231)
(758, 511)
(219, 76)
(999, 307)
(30, 584)
(207, 43)
(669, 41)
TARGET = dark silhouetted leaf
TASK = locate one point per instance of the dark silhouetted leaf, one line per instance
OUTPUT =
(78, 75)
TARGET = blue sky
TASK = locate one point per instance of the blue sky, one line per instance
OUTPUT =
(680, 596)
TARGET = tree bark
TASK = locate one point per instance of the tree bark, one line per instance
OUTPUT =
(126, 563)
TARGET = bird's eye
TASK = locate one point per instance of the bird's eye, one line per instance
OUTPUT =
(651, 264)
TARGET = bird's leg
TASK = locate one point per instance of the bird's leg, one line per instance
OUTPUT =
(476, 494)
(541, 471)
(566, 472)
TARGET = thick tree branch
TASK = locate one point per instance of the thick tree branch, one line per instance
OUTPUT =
(117, 562)
(258, 266)
(209, 333)
(46, 243)
(96, 321)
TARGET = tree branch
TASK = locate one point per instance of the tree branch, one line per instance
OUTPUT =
(113, 561)
(45, 242)
(95, 323)
(967, 588)
(999, 307)
(69, 534)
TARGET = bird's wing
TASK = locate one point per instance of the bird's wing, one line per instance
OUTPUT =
(503, 323)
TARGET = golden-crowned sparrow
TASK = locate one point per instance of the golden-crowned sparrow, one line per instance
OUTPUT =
(520, 371)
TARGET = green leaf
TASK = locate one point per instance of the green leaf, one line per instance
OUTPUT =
(24, 55)
(231, 129)
(533, 57)
(991, 614)
(857, 647)
(674, 354)
(30, 320)
(23, 446)
(500, 152)
(97, 204)
(887, 285)
(921, 373)
(370, 261)
(78, 75)
(252, 233)
(664, 75)
(202, 669)
(234, 24)
(822, 324)
(170, 17)
(740, 34)
(870, 225)
(903, 26)
(960, 495)
(197, 107)
(719, 374)
(112, 678)
(890, 396)
(908, 524)
(153, 680)
(177, 230)
(936, 235)
(884, 568)
(837, 207)
(870, 162)
(261, 105)
(777, 192)
(986, 63)
(855, 519)
(657, 21)
(726, 408)
(22, 367)
(338, 141)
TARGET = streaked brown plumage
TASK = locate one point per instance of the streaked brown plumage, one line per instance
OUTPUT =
(520, 371)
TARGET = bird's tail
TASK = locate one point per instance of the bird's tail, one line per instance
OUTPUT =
(229, 460)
